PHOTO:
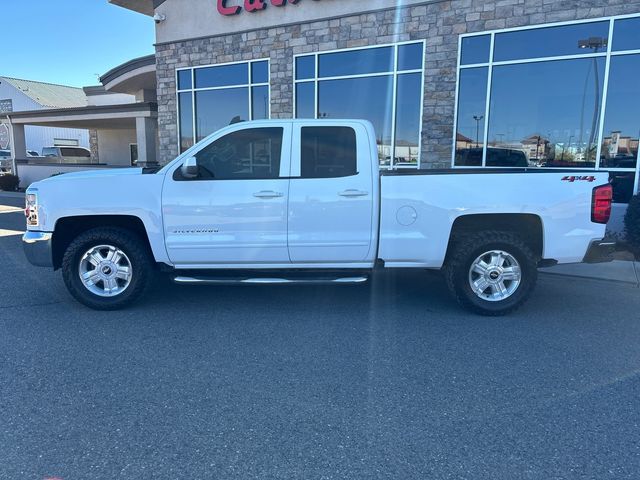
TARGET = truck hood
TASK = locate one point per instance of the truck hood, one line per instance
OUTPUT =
(107, 172)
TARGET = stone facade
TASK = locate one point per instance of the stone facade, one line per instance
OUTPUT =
(439, 22)
(93, 145)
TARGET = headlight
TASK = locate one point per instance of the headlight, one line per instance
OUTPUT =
(31, 209)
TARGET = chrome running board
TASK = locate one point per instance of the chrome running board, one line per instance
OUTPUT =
(268, 281)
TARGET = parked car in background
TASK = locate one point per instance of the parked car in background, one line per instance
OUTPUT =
(302, 201)
(32, 153)
(496, 157)
(68, 154)
(5, 161)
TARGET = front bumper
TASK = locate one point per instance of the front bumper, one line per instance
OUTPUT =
(37, 248)
(600, 251)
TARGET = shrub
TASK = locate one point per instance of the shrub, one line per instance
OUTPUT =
(9, 183)
(632, 225)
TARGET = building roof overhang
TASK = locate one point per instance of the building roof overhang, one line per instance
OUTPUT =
(91, 117)
(132, 76)
(146, 7)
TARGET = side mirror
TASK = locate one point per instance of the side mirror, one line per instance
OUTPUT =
(189, 168)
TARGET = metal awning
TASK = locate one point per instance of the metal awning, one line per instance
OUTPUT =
(92, 117)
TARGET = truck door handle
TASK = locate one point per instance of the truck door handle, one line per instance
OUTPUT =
(353, 193)
(267, 194)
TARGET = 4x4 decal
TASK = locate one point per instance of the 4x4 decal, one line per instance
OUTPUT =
(583, 178)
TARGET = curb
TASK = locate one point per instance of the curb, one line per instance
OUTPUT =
(11, 194)
(625, 273)
(597, 279)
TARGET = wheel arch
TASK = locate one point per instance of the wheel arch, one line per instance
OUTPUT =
(528, 226)
(68, 228)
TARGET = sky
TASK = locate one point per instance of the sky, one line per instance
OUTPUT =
(70, 42)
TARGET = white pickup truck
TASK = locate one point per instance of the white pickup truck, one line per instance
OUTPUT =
(303, 201)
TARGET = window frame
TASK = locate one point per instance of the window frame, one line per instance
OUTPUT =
(249, 84)
(395, 73)
(173, 168)
(607, 55)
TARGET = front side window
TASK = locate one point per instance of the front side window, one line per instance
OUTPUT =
(245, 154)
(210, 98)
(328, 152)
(381, 84)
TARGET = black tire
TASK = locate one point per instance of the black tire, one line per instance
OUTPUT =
(464, 253)
(137, 253)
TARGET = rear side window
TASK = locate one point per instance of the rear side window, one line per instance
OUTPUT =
(74, 152)
(328, 152)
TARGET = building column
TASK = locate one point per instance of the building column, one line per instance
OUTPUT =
(18, 145)
(146, 135)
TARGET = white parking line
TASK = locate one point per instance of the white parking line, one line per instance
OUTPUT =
(9, 233)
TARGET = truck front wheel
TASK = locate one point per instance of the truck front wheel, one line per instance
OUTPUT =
(491, 273)
(107, 268)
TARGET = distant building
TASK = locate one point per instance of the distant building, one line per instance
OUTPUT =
(17, 95)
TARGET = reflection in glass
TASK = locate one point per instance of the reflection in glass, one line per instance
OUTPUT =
(252, 153)
(185, 106)
(472, 98)
(475, 50)
(410, 56)
(260, 102)
(548, 110)
(626, 34)
(305, 100)
(218, 108)
(622, 117)
(305, 67)
(184, 79)
(224, 75)
(356, 62)
(408, 119)
(550, 41)
(370, 98)
(260, 72)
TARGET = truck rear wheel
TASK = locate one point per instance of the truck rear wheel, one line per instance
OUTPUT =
(107, 268)
(491, 273)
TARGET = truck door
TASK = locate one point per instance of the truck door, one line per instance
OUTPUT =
(235, 210)
(330, 194)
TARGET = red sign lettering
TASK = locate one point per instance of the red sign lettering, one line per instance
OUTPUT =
(224, 10)
(254, 5)
(250, 6)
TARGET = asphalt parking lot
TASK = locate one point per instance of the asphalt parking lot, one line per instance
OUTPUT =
(385, 381)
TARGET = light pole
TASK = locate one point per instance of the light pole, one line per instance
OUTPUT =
(478, 118)
(595, 44)
(564, 147)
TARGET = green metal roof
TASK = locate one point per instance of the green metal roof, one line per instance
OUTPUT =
(49, 95)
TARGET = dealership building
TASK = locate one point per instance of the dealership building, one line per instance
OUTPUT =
(446, 83)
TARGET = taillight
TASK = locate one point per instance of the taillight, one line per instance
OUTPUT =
(601, 203)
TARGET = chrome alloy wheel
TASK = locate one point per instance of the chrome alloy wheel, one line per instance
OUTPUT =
(105, 271)
(495, 275)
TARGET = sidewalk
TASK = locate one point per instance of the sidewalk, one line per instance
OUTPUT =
(11, 194)
(622, 271)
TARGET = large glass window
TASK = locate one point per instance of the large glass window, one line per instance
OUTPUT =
(210, 98)
(253, 153)
(554, 96)
(528, 112)
(381, 84)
